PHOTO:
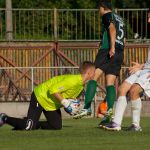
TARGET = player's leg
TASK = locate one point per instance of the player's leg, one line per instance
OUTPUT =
(136, 106)
(54, 120)
(34, 113)
(101, 65)
(112, 71)
(30, 121)
(110, 91)
(110, 98)
(89, 94)
(91, 89)
(121, 104)
(141, 84)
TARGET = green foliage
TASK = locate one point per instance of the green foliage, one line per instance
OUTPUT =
(131, 3)
(74, 4)
(72, 25)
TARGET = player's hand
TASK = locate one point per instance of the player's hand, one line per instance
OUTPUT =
(66, 104)
(136, 67)
(68, 110)
(112, 52)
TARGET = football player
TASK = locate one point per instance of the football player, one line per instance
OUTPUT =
(108, 60)
(49, 97)
(137, 82)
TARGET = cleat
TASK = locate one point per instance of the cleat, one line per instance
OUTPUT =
(113, 127)
(2, 116)
(89, 112)
(134, 128)
(84, 112)
(106, 119)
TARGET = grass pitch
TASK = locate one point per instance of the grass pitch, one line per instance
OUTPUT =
(76, 135)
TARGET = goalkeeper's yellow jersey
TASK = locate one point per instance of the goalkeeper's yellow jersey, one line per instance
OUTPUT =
(69, 86)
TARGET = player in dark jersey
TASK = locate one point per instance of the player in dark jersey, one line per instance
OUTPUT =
(108, 60)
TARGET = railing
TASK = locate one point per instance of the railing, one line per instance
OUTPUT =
(136, 22)
(37, 76)
(35, 62)
(69, 24)
(34, 73)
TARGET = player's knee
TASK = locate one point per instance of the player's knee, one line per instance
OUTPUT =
(121, 91)
(134, 92)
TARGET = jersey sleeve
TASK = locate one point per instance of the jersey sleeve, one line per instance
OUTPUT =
(107, 19)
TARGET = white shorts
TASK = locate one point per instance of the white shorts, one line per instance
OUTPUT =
(141, 78)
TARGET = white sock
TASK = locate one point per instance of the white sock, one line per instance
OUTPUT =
(119, 109)
(136, 106)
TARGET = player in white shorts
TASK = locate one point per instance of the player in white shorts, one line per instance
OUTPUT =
(138, 81)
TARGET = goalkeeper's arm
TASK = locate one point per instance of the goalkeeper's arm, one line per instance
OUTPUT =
(65, 103)
(60, 98)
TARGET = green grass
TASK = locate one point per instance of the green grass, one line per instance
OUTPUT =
(76, 135)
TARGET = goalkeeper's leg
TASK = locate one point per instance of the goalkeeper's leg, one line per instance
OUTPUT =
(29, 122)
(54, 120)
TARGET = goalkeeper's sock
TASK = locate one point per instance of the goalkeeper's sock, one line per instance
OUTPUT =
(17, 123)
(119, 109)
(136, 106)
(110, 96)
(90, 93)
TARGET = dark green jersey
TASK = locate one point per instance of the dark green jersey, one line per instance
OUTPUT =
(120, 31)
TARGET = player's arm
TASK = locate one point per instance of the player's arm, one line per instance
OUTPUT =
(58, 96)
(136, 67)
(112, 33)
(58, 88)
(65, 102)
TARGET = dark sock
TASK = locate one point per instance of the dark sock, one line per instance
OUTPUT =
(18, 124)
(90, 93)
(110, 96)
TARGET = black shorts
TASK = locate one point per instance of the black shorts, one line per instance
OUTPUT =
(109, 65)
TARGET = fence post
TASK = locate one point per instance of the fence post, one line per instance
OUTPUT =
(116, 10)
(32, 78)
(9, 26)
(55, 25)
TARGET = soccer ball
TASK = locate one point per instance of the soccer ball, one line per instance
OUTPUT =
(74, 107)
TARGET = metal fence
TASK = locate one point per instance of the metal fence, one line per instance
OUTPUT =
(69, 24)
(136, 23)
(34, 64)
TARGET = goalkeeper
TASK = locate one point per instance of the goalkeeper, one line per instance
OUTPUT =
(49, 97)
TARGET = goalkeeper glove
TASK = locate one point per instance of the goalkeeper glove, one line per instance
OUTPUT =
(66, 103)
